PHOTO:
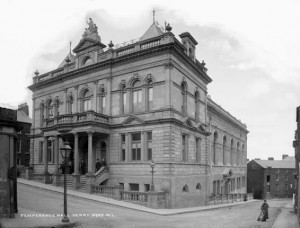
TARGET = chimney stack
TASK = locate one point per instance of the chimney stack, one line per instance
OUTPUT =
(271, 159)
(256, 158)
(284, 156)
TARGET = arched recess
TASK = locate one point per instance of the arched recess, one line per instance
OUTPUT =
(232, 152)
(183, 87)
(70, 103)
(185, 188)
(197, 97)
(238, 153)
(215, 146)
(42, 113)
(224, 150)
(123, 98)
(198, 186)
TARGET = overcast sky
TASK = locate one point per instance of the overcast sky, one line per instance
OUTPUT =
(251, 49)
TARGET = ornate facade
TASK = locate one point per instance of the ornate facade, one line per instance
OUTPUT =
(130, 104)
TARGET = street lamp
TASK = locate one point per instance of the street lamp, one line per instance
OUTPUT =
(152, 165)
(65, 151)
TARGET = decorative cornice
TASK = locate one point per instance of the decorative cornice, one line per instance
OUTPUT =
(170, 48)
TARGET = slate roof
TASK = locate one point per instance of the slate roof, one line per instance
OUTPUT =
(22, 117)
(278, 164)
(152, 31)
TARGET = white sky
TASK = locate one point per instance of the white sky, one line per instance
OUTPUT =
(252, 51)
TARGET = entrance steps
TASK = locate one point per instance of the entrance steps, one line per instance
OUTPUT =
(70, 182)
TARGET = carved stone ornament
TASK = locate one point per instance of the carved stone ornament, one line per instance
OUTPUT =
(169, 65)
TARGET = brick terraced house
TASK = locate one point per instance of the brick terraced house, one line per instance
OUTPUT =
(133, 103)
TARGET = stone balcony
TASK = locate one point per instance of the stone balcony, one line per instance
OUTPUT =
(76, 119)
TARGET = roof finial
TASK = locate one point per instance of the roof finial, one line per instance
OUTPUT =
(153, 15)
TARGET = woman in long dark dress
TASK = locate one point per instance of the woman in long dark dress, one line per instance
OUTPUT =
(264, 214)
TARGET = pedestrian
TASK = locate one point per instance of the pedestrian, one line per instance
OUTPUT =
(98, 165)
(264, 214)
(82, 167)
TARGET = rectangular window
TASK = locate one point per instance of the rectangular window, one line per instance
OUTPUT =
(86, 105)
(136, 146)
(149, 145)
(150, 98)
(134, 187)
(277, 177)
(184, 148)
(137, 100)
(41, 148)
(218, 187)
(277, 187)
(102, 107)
(122, 186)
(198, 150)
(123, 147)
(286, 178)
(147, 187)
(49, 151)
(214, 187)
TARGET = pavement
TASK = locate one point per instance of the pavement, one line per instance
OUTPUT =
(286, 219)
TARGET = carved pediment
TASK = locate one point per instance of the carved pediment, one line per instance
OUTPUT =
(132, 120)
(86, 43)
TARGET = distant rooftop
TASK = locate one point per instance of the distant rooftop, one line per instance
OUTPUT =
(287, 163)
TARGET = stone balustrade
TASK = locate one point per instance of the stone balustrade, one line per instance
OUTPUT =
(229, 198)
(76, 118)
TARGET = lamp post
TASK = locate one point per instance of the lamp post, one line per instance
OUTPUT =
(65, 151)
(152, 165)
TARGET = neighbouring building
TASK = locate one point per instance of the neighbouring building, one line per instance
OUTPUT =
(23, 143)
(271, 178)
(297, 160)
(132, 103)
(8, 172)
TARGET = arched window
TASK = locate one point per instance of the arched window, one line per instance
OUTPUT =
(183, 97)
(102, 101)
(56, 107)
(224, 150)
(149, 95)
(231, 152)
(86, 100)
(137, 96)
(185, 188)
(122, 99)
(49, 111)
(87, 61)
(70, 104)
(198, 186)
(215, 148)
(197, 106)
(238, 153)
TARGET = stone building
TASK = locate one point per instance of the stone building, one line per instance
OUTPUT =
(8, 172)
(132, 103)
(271, 178)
